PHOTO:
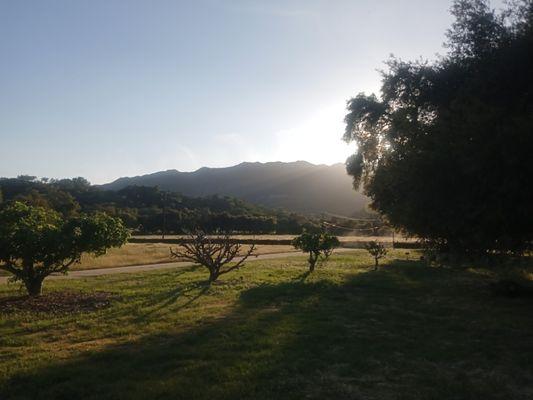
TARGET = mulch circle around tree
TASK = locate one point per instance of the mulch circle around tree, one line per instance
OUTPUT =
(58, 302)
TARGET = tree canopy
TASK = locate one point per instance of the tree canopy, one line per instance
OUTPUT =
(445, 152)
(149, 210)
(36, 242)
(318, 245)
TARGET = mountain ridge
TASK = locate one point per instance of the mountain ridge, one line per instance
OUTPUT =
(297, 186)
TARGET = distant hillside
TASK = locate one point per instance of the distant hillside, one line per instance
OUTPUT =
(297, 186)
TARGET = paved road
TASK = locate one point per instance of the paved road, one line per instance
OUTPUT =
(154, 267)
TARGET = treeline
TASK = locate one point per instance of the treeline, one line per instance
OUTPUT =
(148, 210)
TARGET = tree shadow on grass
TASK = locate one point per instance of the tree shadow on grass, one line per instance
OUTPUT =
(155, 300)
(302, 277)
(169, 298)
(379, 335)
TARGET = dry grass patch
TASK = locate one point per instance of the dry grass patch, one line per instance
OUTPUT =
(150, 253)
(129, 254)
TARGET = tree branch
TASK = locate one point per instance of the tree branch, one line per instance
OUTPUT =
(212, 253)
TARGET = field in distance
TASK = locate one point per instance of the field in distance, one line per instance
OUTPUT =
(156, 253)
(151, 253)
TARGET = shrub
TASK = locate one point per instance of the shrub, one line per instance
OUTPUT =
(318, 245)
(376, 250)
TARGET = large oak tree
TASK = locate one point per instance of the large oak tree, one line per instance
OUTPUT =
(445, 152)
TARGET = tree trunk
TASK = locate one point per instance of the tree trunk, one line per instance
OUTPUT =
(34, 286)
(312, 262)
(376, 264)
(213, 275)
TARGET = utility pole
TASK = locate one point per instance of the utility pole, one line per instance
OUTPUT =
(164, 215)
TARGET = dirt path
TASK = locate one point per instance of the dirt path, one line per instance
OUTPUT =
(154, 267)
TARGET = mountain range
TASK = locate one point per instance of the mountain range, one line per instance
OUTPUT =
(295, 186)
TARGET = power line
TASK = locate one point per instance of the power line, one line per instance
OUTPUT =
(353, 219)
(351, 229)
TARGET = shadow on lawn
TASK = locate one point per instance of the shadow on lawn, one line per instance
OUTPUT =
(165, 299)
(400, 332)
(168, 298)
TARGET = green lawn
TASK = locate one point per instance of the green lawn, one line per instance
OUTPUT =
(270, 331)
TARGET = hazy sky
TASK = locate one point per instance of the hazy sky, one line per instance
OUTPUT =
(105, 88)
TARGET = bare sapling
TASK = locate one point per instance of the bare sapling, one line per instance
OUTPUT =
(216, 253)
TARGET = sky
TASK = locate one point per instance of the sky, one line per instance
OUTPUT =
(110, 88)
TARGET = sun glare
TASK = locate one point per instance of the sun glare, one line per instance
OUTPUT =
(317, 140)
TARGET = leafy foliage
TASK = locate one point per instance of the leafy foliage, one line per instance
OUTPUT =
(148, 210)
(36, 242)
(318, 245)
(445, 152)
(376, 250)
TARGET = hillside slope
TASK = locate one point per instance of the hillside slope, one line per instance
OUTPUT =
(297, 186)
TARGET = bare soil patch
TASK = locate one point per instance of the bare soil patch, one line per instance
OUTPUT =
(59, 302)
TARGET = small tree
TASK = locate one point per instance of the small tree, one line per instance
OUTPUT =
(212, 252)
(376, 250)
(318, 245)
(36, 242)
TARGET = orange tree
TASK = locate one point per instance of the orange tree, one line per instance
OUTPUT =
(36, 242)
(318, 245)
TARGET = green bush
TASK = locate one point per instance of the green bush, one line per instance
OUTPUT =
(318, 245)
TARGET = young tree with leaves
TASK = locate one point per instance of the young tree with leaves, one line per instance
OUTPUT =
(377, 251)
(318, 245)
(36, 242)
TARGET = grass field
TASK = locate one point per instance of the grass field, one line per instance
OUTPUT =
(271, 331)
(155, 253)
